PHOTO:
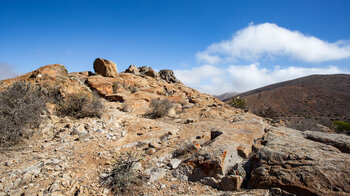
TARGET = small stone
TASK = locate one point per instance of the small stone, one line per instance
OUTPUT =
(75, 132)
(174, 163)
(153, 144)
(231, 183)
(65, 183)
(137, 166)
(123, 134)
(54, 187)
(105, 191)
(151, 151)
(9, 163)
(27, 178)
(17, 181)
(163, 186)
(156, 174)
(189, 120)
(17, 192)
(177, 120)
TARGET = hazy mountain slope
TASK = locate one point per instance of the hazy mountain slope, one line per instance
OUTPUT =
(226, 95)
(316, 96)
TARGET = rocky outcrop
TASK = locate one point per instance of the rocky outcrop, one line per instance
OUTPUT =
(148, 71)
(301, 166)
(168, 75)
(201, 145)
(53, 78)
(105, 67)
(133, 69)
(220, 156)
(340, 141)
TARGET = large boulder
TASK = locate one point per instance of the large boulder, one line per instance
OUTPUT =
(132, 69)
(168, 75)
(148, 71)
(222, 154)
(294, 163)
(105, 67)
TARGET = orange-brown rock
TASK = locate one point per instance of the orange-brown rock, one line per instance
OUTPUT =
(51, 77)
(105, 67)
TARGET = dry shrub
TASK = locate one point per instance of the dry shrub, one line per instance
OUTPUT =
(80, 105)
(116, 86)
(184, 149)
(133, 89)
(126, 107)
(159, 108)
(124, 177)
(20, 107)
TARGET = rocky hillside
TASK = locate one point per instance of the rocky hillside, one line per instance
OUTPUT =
(155, 136)
(324, 98)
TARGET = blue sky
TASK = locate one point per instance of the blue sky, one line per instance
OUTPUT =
(213, 46)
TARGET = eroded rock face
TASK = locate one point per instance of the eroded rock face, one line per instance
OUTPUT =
(105, 67)
(301, 166)
(168, 75)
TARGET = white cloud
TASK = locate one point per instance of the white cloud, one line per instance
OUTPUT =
(241, 78)
(6, 71)
(267, 39)
(211, 59)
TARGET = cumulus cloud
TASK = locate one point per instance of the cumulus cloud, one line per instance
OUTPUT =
(271, 40)
(241, 78)
(7, 71)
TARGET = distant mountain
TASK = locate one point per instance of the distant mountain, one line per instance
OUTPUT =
(321, 97)
(226, 95)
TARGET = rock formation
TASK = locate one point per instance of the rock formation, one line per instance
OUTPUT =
(105, 67)
(168, 75)
(200, 146)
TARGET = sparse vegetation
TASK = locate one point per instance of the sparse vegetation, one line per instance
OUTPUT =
(125, 175)
(80, 105)
(126, 107)
(116, 86)
(133, 89)
(20, 107)
(159, 108)
(238, 102)
(184, 149)
(341, 127)
(268, 113)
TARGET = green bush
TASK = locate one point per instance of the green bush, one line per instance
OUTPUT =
(124, 176)
(238, 102)
(341, 127)
(159, 108)
(80, 105)
(20, 107)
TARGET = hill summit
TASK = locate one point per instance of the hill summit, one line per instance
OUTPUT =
(142, 132)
